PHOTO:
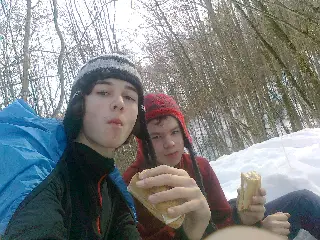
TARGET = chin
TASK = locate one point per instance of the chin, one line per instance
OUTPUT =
(171, 163)
(176, 163)
(116, 143)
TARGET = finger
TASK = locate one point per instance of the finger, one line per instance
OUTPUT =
(283, 224)
(163, 169)
(258, 200)
(256, 208)
(262, 192)
(185, 208)
(175, 193)
(167, 180)
(279, 217)
(282, 231)
(288, 215)
(256, 215)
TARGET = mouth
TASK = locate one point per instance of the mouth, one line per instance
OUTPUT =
(174, 154)
(115, 121)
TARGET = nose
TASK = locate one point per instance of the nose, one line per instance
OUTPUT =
(117, 103)
(168, 142)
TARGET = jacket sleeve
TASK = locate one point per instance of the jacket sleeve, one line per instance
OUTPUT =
(40, 215)
(180, 234)
(123, 226)
(220, 209)
(235, 214)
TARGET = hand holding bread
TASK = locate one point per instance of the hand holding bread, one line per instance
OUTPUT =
(172, 196)
(251, 198)
(159, 210)
(250, 185)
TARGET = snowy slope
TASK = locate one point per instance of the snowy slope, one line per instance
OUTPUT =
(286, 164)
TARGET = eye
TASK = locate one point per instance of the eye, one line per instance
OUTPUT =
(155, 137)
(129, 98)
(103, 93)
(175, 132)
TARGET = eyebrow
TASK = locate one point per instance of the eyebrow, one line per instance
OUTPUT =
(157, 133)
(103, 82)
(131, 88)
(128, 87)
(175, 128)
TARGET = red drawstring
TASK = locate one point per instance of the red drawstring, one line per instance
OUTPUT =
(100, 201)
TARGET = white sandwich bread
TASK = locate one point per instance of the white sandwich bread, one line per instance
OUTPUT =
(250, 185)
(158, 210)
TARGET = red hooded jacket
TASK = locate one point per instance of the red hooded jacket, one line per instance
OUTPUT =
(151, 228)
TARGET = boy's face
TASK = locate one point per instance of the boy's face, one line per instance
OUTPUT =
(167, 140)
(111, 110)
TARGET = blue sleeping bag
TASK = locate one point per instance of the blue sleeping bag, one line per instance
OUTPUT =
(30, 147)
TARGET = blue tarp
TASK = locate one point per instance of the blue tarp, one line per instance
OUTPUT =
(30, 147)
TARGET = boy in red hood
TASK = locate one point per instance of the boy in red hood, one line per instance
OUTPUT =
(169, 135)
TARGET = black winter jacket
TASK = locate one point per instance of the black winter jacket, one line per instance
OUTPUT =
(76, 201)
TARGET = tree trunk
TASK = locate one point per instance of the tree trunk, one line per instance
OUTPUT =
(60, 58)
(26, 54)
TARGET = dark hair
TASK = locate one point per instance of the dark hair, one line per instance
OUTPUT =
(159, 119)
(147, 146)
(76, 107)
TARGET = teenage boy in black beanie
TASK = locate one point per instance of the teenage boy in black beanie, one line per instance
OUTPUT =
(79, 199)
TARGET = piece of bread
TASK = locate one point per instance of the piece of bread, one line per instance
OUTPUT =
(158, 210)
(250, 185)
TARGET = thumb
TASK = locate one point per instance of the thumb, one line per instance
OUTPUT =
(288, 215)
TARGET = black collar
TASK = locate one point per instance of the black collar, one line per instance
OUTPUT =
(90, 161)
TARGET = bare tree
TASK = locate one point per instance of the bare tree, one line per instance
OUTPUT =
(26, 57)
(60, 59)
(243, 71)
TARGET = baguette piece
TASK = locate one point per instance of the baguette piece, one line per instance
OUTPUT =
(250, 185)
(158, 210)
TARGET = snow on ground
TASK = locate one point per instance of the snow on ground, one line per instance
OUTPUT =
(286, 164)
